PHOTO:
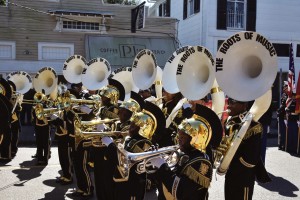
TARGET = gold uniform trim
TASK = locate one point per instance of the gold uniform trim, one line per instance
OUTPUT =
(257, 129)
(245, 163)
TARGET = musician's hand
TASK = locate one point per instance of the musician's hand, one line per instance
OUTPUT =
(285, 122)
(53, 116)
(156, 162)
(106, 141)
(298, 122)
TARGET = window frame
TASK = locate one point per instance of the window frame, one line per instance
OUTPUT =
(13, 49)
(235, 27)
(188, 5)
(51, 44)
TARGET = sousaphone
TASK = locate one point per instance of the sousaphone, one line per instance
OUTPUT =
(195, 73)
(22, 81)
(246, 67)
(169, 73)
(124, 76)
(144, 69)
(95, 73)
(45, 79)
(73, 68)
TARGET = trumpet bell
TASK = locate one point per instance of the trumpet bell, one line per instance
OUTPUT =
(73, 68)
(249, 63)
(169, 72)
(45, 79)
(94, 75)
(144, 69)
(22, 80)
(195, 73)
(124, 76)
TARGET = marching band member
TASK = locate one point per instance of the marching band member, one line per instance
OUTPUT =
(246, 164)
(143, 126)
(63, 146)
(103, 169)
(170, 101)
(192, 175)
(5, 129)
(42, 135)
(15, 123)
(5, 96)
(80, 154)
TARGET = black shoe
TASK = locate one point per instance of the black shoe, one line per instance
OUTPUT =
(77, 193)
(86, 196)
(65, 181)
(5, 160)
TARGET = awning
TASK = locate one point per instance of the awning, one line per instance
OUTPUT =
(82, 13)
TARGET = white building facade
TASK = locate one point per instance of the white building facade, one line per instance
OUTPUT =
(209, 22)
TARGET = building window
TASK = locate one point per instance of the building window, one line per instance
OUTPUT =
(3, 2)
(190, 7)
(282, 50)
(75, 25)
(55, 51)
(164, 9)
(7, 50)
(236, 12)
(220, 42)
(298, 50)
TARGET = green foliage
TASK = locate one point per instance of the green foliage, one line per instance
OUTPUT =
(2, 2)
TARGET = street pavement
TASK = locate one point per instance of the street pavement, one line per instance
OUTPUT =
(20, 179)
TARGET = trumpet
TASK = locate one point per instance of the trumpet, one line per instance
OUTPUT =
(70, 99)
(42, 113)
(127, 159)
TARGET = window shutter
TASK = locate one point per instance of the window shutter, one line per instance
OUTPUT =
(184, 9)
(221, 14)
(197, 6)
(251, 15)
(160, 10)
(168, 13)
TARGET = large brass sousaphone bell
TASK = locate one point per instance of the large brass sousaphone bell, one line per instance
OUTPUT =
(73, 68)
(124, 76)
(195, 73)
(45, 79)
(144, 69)
(94, 75)
(169, 72)
(246, 66)
(22, 80)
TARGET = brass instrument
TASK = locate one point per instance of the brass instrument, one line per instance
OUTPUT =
(42, 113)
(247, 78)
(127, 159)
(84, 130)
(70, 100)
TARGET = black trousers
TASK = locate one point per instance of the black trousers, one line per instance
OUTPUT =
(15, 129)
(5, 147)
(64, 155)
(80, 159)
(42, 134)
(103, 174)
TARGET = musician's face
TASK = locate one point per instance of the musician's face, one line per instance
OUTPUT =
(167, 96)
(124, 114)
(236, 107)
(133, 129)
(184, 141)
(105, 100)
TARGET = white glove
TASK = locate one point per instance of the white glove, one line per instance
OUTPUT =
(156, 162)
(85, 109)
(84, 91)
(101, 127)
(298, 122)
(187, 105)
(285, 122)
(106, 141)
(53, 116)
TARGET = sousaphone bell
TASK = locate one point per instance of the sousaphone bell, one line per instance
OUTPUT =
(73, 68)
(45, 79)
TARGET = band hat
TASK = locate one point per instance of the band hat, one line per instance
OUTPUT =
(204, 127)
(5, 88)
